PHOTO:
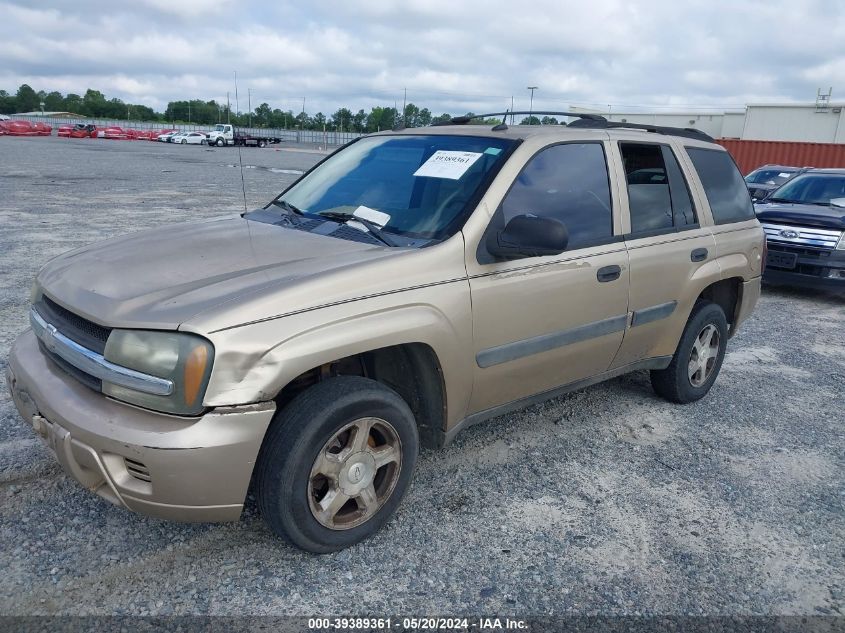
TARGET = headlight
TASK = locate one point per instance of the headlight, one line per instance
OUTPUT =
(841, 245)
(184, 359)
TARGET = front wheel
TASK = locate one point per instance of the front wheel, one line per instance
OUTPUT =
(698, 358)
(336, 463)
(220, 142)
(184, 141)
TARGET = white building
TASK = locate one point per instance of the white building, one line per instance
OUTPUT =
(759, 122)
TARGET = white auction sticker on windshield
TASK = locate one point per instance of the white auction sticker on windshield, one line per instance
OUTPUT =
(447, 164)
(379, 217)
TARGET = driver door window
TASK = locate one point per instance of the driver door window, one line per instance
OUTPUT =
(568, 182)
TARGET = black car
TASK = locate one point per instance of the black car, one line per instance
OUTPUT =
(804, 221)
(763, 180)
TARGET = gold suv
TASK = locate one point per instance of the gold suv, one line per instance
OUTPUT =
(412, 284)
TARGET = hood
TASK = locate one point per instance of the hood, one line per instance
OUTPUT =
(825, 217)
(162, 277)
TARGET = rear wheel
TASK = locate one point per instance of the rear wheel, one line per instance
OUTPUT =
(262, 143)
(336, 463)
(698, 359)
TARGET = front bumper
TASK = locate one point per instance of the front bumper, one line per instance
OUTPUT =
(814, 267)
(183, 469)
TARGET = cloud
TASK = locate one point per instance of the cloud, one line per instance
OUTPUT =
(450, 57)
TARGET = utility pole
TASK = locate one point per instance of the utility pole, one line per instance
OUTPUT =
(228, 109)
(302, 119)
(531, 106)
(189, 111)
(249, 104)
(511, 109)
(405, 108)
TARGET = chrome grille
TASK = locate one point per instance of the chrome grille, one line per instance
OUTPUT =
(85, 332)
(811, 236)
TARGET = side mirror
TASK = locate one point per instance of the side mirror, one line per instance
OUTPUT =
(528, 236)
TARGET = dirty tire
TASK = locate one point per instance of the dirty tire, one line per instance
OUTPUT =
(299, 434)
(675, 383)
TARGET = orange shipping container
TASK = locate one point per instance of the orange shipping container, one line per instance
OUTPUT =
(751, 154)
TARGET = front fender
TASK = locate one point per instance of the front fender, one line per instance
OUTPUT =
(253, 363)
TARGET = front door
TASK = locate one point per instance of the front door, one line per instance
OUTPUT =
(542, 322)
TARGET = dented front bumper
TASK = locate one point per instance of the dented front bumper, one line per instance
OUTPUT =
(184, 469)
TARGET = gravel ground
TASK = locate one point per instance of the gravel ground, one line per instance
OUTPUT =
(607, 501)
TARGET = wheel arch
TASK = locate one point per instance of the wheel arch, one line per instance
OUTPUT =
(727, 294)
(412, 370)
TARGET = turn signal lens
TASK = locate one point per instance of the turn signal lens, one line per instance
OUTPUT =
(194, 377)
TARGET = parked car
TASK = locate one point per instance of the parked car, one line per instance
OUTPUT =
(190, 138)
(763, 180)
(804, 221)
(13, 127)
(411, 285)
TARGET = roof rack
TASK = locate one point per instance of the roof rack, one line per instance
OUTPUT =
(686, 132)
(463, 120)
(587, 120)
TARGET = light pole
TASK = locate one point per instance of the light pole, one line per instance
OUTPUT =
(531, 106)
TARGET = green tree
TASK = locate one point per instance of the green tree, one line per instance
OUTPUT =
(549, 120)
(424, 117)
(342, 119)
(359, 122)
(263, 115)
(54, 102)
(530, 120)
(26, 99)
(8, 103)
(74, 103)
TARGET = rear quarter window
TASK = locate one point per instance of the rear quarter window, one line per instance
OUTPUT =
(724, 186)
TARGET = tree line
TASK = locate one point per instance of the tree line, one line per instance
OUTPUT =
(95, 104)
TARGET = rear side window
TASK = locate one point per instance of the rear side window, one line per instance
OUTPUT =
(726, 190)
(568, 182)
(658, 196)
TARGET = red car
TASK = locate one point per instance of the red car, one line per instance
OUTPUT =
(25, 128)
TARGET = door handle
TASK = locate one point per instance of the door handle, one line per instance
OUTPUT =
(698, 255)
(608, 273)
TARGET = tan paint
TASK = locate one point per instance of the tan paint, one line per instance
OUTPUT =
(277, 303)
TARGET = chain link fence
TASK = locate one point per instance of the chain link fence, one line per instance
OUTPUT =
(305, 137)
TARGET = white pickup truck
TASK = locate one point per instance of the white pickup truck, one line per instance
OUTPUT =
(225, 134)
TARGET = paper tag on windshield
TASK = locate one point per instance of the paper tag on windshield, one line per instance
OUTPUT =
(446, 164)
(372, 215)
(784, 174)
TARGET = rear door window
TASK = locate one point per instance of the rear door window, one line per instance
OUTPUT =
(724, 186)
(658, 196)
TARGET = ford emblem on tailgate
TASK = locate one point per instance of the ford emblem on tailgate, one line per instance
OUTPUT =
(789, 234)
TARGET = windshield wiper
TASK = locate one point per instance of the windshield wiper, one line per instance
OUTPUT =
(780, 200)
(374, 228)
(287, 206)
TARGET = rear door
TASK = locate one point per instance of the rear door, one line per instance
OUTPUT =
(671, 251)
(541, 322)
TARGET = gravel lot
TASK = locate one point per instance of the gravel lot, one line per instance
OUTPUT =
(607, 501)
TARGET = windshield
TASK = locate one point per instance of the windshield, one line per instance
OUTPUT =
(417, 186)
(219, 128)
(812, 189)
(768, 177)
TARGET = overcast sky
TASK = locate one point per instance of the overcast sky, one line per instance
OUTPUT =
(452, 56)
